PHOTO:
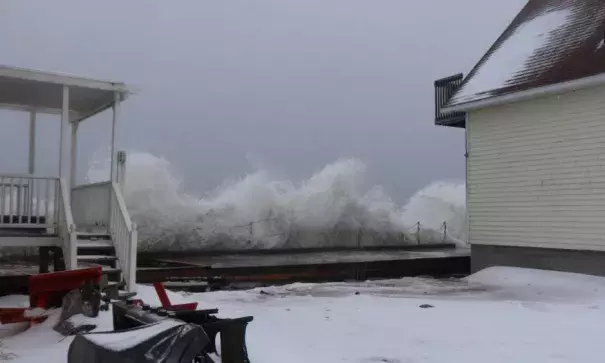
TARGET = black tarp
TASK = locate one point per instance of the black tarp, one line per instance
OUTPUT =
(168, 341)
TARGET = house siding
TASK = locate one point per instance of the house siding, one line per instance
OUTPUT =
(536, 172)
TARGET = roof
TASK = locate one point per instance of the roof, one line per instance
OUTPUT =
(25, 89)
(549, 42)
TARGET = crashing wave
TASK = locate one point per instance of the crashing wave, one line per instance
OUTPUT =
(334, 207)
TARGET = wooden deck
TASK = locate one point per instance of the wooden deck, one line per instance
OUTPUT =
(290, 258)
(251, 268)
(272, 267)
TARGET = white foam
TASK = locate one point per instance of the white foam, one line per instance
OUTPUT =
(260, 211)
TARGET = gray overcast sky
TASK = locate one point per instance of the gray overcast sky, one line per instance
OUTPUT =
(288, 84)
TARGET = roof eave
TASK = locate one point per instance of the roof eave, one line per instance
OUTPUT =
(61, 78)
(83, 116)
(557, 88)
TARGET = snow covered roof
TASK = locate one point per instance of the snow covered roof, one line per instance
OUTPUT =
(548, 42)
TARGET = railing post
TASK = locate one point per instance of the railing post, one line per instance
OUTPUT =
(121, 172)
(73, 248)
(109, 206)
(132, 268)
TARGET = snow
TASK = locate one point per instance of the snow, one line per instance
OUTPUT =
(511, 57)
(128, 339)
(35, 312)
(14, 301)
(497, 315)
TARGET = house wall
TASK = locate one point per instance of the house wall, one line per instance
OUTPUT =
(536, 177)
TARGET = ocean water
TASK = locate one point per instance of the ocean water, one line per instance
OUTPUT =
(335, 206)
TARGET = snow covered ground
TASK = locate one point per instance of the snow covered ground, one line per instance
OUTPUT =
(497, 315)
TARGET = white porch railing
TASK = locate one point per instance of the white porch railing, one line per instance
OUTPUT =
(28, 201)
(124, 235)
(90, 205)
(66, 228)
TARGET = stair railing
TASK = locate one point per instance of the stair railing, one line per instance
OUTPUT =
(124, 235)
(66, 228)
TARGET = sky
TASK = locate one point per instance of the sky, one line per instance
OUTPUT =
(226, 87)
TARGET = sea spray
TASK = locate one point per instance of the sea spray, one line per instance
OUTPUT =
(334, 207)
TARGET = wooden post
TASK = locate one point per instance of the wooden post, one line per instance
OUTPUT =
(64, 124)
(58, 259)
(116, 112)
(44, 256)
(112, 172)
(32, 142)
(74, 155)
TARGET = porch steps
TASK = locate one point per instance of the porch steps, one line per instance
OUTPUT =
(100, 235)
(96, 248)
(89, 244)
(99, 259)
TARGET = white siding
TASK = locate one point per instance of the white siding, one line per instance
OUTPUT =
(536, 172)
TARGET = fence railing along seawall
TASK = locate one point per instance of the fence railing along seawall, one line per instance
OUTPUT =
(262, 234)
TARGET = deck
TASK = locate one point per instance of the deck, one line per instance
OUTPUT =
(277, 267)
(290, 258)
(252, 268)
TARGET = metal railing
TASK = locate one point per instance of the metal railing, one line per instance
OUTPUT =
(124, 235)
(90, 205)
(28, 201)
(66, 228)
(444, 90)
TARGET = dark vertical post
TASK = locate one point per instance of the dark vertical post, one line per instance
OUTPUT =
(44, 259)
(58, 260)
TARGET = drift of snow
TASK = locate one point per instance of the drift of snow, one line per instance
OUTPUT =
(511, 58)
(497, 315)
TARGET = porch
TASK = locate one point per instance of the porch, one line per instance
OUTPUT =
(444, 90)
(84, 224)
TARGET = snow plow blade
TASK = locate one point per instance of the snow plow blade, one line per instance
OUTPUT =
(167, 341)
(127, 314)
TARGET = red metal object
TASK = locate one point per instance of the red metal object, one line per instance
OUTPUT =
(16, 315)
(47, 290)
(12, 315)
(165, 300)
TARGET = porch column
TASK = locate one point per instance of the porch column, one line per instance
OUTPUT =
(32, 143)
(74, 155)
(62, 138)
(116, 112)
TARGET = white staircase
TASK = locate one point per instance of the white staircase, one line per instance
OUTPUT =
(104, 234)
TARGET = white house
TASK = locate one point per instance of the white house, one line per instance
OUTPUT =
(534, 112)
(79, 224)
